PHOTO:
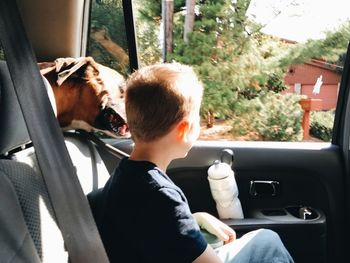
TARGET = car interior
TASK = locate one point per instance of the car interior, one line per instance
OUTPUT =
(299, 190)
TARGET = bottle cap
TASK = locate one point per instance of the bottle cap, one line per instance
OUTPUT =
(219, 170)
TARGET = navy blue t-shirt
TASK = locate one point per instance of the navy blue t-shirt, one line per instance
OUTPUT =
(143, 216)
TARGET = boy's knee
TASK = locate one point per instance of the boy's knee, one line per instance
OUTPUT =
(271, 243)
(268, 235)
(269, 239)
(263, 246)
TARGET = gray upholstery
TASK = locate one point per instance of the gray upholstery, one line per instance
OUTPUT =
(29, 186)
(13, 131)
(28, 229)
(25, 211)
(91, 169)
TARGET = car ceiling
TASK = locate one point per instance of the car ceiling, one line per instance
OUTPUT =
(55, 28)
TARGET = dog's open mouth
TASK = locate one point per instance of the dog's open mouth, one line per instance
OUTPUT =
(110, 120)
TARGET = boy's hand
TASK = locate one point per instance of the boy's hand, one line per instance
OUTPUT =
(215, 227)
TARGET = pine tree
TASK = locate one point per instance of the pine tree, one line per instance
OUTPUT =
(243, 69)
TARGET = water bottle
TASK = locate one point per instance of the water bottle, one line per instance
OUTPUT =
(224, 190)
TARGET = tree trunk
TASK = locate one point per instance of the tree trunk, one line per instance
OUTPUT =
(167, 16)
(189, 19)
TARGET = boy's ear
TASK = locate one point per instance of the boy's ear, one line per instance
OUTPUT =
(182, 129)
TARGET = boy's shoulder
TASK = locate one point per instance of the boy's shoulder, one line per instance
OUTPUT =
(160, 179)
(142, 179)
(145, 172)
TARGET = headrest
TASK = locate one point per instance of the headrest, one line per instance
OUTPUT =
(13, 130)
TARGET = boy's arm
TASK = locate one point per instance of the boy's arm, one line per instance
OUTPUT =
(215, 226)
(208, 256)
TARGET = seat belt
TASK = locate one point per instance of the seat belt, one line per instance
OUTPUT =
(70, 205)
(105, 146)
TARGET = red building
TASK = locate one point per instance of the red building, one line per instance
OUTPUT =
(301, 79)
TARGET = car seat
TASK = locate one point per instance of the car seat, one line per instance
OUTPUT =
(28, 226)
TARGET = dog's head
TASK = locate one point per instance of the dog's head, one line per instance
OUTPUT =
(88, 95)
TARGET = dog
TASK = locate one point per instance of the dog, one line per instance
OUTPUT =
(87, 95)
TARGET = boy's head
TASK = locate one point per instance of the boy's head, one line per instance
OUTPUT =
(160, 96)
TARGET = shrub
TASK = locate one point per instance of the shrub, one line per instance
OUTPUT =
(321, 124)
(278, 117)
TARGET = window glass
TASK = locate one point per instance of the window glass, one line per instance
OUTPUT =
(268, 67)
(107, 40)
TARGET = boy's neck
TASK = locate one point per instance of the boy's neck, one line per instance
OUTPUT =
(153, 152)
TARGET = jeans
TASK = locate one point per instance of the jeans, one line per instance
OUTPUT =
(260, 246)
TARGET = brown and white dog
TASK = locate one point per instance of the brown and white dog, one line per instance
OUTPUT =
(88, 95)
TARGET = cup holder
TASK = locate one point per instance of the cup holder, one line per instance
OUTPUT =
(287, 213)
(303, 212)
(274, 212)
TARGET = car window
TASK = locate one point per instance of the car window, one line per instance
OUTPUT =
(271, 69)
(107, 38)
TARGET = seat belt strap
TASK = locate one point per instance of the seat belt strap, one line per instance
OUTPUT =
(106, 146)
(70, 205)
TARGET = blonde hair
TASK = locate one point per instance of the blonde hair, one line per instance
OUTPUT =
(158, 97)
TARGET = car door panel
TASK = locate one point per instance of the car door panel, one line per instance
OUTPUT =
(309, 175)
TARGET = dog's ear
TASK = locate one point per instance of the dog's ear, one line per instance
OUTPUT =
(90, 70)
(46, 67)
(83, 68)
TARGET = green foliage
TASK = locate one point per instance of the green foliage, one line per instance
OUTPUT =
(233, 66)
(217, 95)
(240, 19)
(148, 17)
(152, 10)
(278, 117)
(242, 69)
(331, 48)
(149, 10)
(108, 17)
(199, 50)
(275, 83)
(321, 124)
(148, 46)
(270, 117)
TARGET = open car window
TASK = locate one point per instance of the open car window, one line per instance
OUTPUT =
(271, 69)
(107, 42)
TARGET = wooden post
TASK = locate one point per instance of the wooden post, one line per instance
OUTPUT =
(167, 16)
(306, 125)
(308, 105)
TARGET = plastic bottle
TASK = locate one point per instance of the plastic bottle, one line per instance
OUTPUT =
(224, 190)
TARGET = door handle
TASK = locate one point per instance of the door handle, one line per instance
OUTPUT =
(264, 188)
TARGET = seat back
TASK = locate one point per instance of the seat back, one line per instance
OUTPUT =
(29, 230)
(13, 129)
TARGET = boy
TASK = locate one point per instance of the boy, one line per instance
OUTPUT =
(142, 215)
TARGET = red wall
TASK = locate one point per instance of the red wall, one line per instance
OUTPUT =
(307, 74)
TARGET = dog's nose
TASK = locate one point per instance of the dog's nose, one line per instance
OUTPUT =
(123, 130)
